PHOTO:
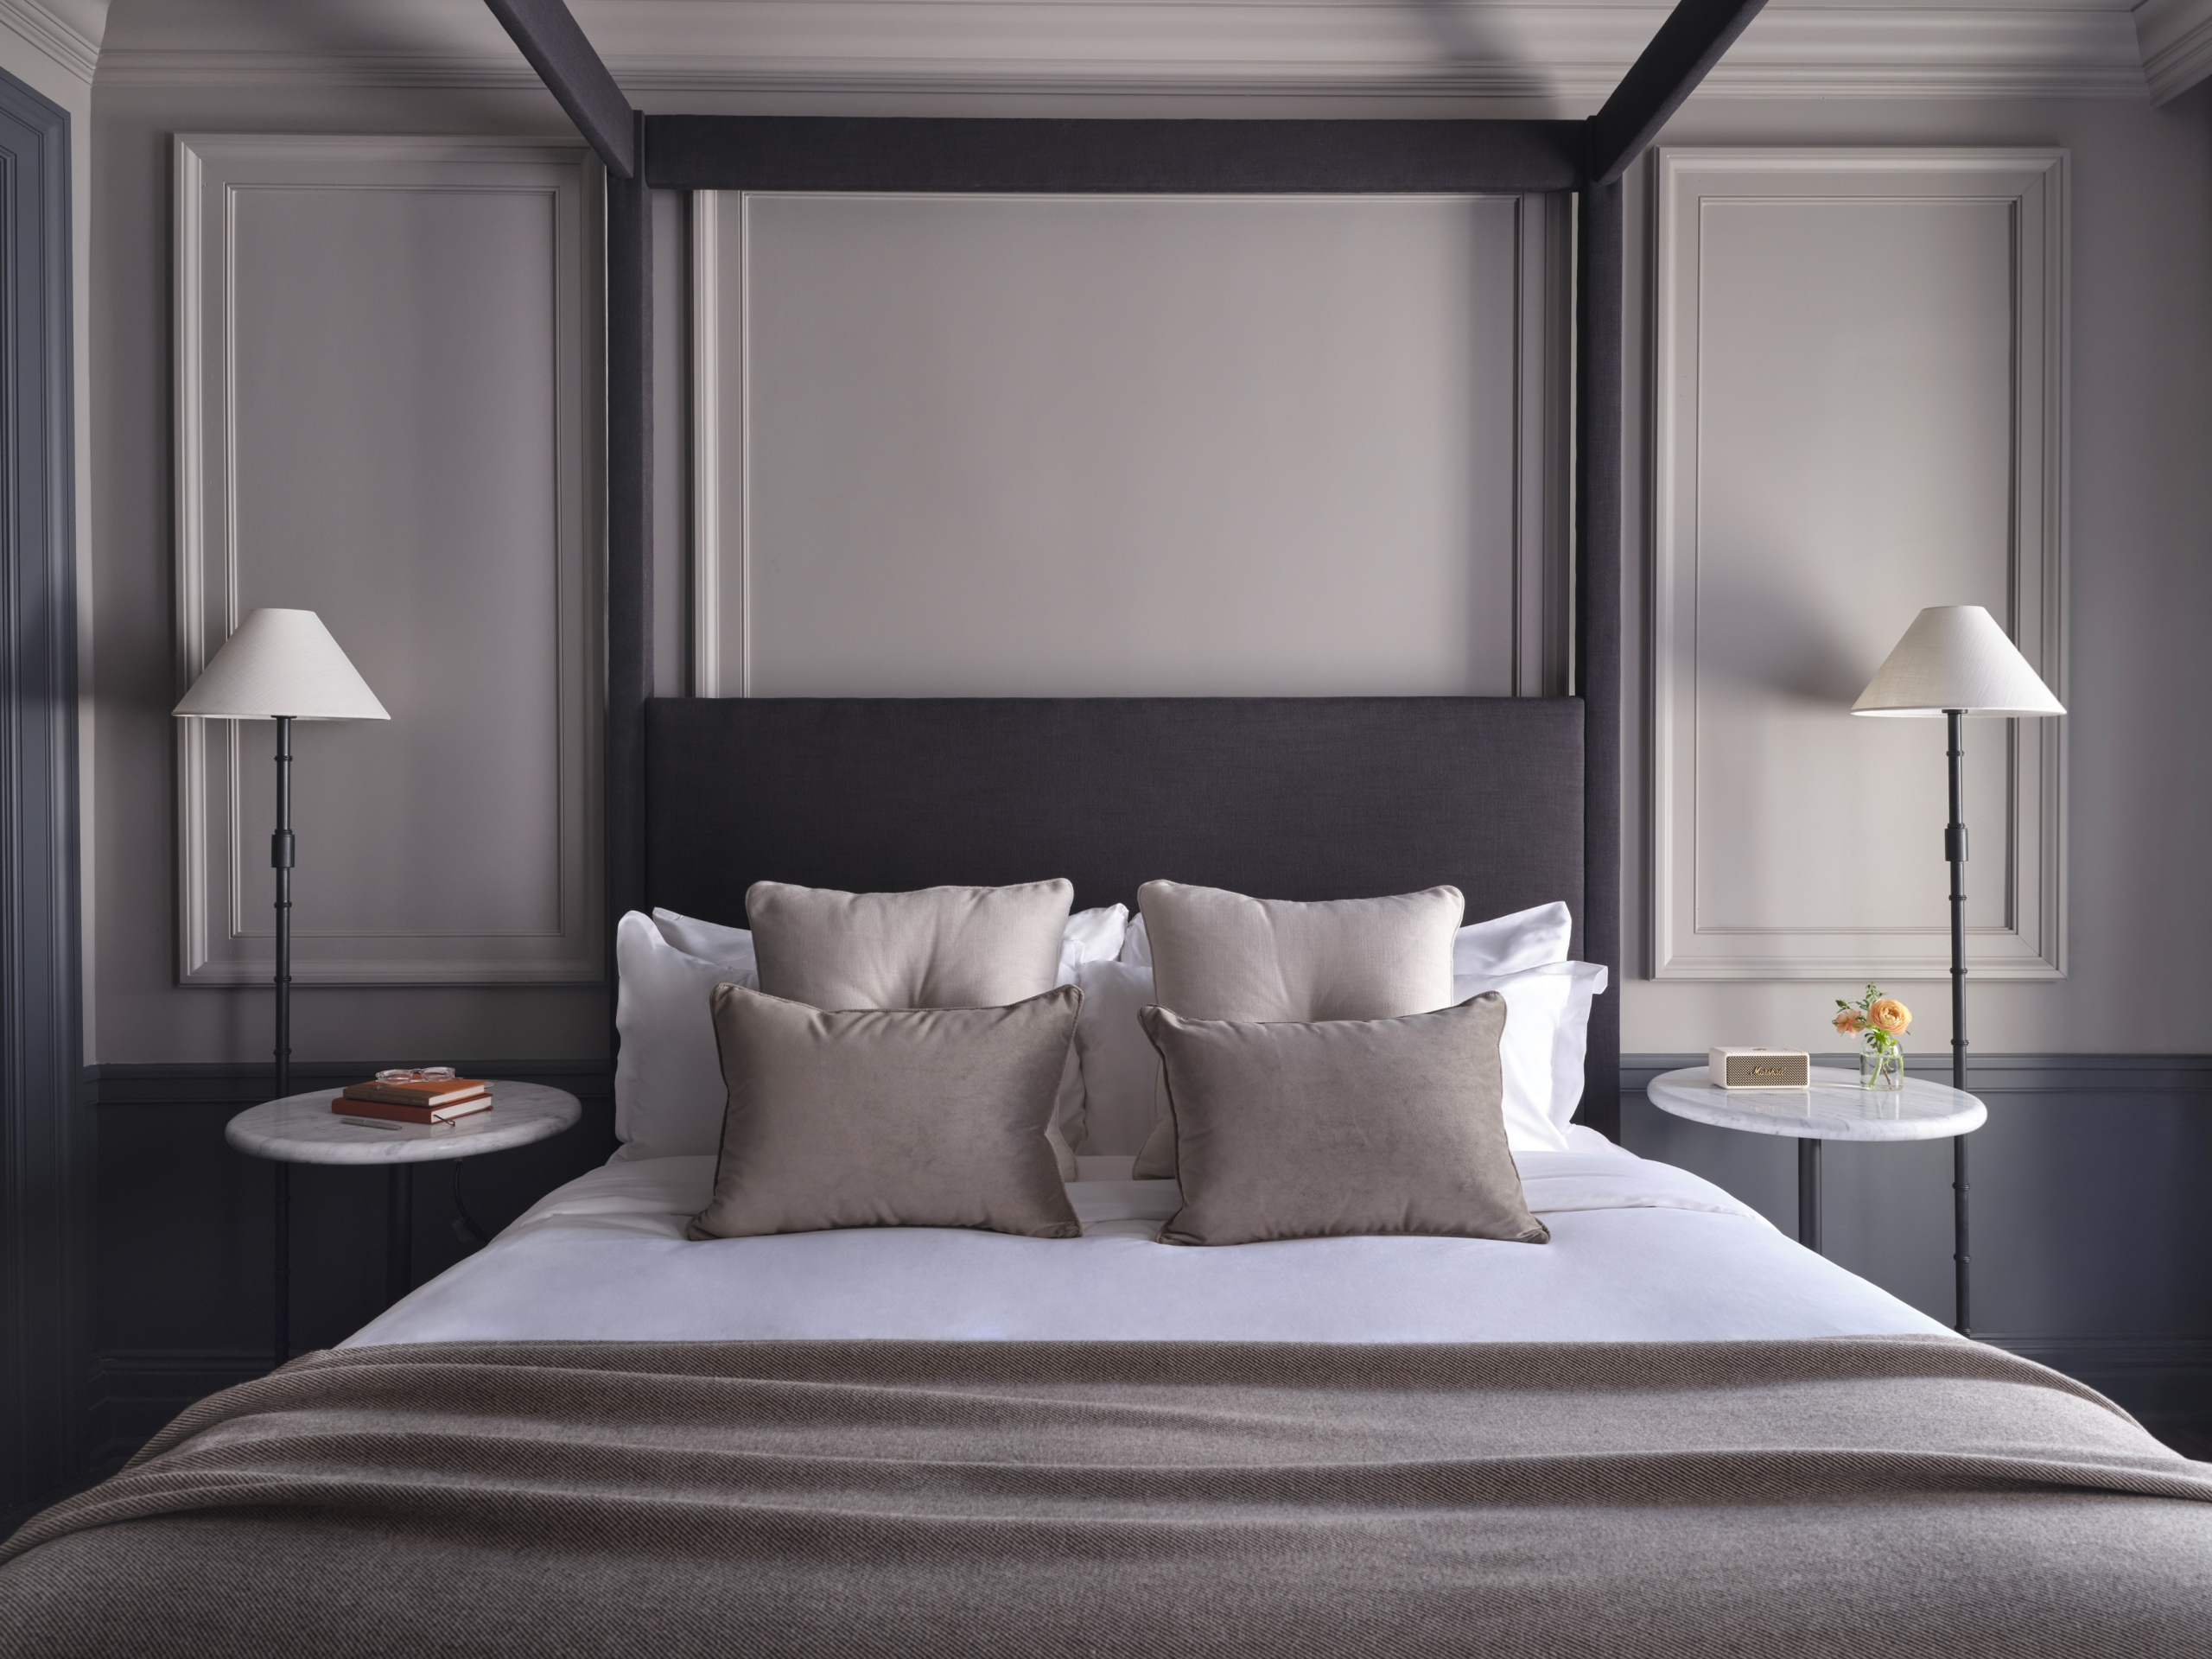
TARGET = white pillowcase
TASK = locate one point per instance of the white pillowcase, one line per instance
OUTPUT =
(1118, 1063)
(1505, 945)
(1546, 1036)
(670, 1095)
(669, 1091)
(1546, 1033)
(1092, 936)
(712, 941)
(1509, 944)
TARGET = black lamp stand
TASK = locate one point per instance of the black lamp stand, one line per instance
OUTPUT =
(1954, 850)
(280, 856)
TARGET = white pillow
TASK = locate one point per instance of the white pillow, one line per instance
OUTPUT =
(1547, 1032)
(1547, 1037)
(1509, 944)
(1505, 945)
(1136, 948)
(1092, 936)
(669, 1091)
(1117, 1061)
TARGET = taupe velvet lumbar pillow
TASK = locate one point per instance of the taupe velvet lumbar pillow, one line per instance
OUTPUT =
(885, 1117)
(1314, 1129)
(937, 948)
(1217, 955)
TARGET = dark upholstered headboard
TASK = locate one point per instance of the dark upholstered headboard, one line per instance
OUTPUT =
(1284, 797)
(1331, 797)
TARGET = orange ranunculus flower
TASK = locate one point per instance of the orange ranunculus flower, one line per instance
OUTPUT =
(1849, 1021)
(1890, 1016)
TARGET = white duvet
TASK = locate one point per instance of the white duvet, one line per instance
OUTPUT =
(1640, 1251)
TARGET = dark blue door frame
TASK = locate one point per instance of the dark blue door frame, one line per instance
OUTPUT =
(46, 1150)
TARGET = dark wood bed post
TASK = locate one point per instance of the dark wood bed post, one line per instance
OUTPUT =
(1597, 627)
(1685, 48)
(629, 530)
(573, 72)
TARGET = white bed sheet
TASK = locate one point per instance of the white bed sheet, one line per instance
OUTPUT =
(1640, 1251)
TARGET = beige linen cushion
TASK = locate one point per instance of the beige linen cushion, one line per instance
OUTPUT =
(936, 948)
(1321, 1129)
(880, 1117)
(939, 948)
(1221, 955)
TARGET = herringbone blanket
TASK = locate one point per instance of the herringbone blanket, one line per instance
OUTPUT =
(1860, 1497)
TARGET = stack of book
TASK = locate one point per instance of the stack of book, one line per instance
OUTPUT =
(418, 1100)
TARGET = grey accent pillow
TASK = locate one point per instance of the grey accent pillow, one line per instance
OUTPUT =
(938, 947)
(1217, 955)
(1316, 1129)
(884, 1117)
(935, 948)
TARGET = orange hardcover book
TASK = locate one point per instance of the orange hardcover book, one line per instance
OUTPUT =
(446, 1114)
(421, 1092)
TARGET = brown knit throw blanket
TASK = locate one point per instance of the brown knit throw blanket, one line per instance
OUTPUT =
(1855, 1497)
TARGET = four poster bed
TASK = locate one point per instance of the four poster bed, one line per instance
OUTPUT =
(1667, 1430)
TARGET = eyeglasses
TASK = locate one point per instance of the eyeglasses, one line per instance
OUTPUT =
(418, 1074)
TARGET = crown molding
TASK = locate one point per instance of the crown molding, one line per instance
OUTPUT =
(2176, 40)
(71, 38)
(1568, 55)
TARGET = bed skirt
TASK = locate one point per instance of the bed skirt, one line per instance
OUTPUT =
(1858, 1496)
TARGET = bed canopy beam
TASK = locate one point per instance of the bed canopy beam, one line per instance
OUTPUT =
(574, 73)
(1019, 155)
(1679, 57)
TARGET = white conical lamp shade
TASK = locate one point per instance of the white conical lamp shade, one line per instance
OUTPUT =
(1956, 656)
(281, 663)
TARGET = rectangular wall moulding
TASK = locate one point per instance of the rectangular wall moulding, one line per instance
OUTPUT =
(1003, 445)
(1859, 410)
(388, 394)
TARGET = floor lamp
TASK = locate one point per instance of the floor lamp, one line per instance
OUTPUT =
(1955, 661)
(281, 665)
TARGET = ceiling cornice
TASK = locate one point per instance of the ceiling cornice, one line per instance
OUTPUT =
(1568, 55)
(71, 35)
(2175, 37)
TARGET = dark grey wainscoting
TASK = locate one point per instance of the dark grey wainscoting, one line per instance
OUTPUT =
(183, 1302)
(2091, 1235)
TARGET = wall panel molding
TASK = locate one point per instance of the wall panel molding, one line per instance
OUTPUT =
(1529, 582)
(389, 409)
(1859, 408)
(47, 1174)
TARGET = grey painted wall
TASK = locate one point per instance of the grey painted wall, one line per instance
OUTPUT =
(1101, 446)
(139, 1014)
(2138, 809)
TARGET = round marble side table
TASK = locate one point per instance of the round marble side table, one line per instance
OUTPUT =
(1835, 1108)
(302, 1129)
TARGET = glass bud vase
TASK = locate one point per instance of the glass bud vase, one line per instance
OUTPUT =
(1880, 1070)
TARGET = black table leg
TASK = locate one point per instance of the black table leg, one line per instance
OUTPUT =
(399, 1232)
(1809, 1194)
(465, 1229)
(283, 1331)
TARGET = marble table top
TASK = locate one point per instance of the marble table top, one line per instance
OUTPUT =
(1835, 1108)
(302, 1129)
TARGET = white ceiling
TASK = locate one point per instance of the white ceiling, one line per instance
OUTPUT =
(1562, 55)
